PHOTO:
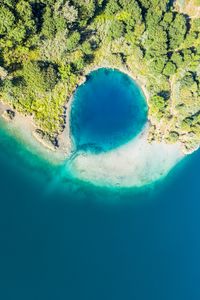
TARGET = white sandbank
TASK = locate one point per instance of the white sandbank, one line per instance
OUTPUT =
(136, 163)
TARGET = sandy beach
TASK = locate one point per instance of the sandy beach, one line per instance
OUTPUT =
(136, 163)
(24, 129)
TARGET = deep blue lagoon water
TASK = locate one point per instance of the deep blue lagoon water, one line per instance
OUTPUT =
(63, 239)
(108, 110)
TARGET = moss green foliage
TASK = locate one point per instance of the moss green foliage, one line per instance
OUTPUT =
(158, 106)
(172, 137)
(47, 46)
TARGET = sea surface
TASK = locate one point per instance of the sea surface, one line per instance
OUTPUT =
(103, 114)
(61, 238)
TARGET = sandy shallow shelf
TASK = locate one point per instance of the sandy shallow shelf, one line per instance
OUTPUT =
(136, 163)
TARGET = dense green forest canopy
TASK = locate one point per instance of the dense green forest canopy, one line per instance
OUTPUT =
(47, 46)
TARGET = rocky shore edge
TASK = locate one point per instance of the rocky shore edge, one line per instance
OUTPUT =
(61, 145)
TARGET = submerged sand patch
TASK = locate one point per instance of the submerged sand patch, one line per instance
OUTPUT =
(136, 163)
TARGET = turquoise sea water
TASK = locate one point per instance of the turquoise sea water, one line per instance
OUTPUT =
(61, 238)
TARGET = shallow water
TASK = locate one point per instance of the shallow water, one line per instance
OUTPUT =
(110, 131)
(61, 238)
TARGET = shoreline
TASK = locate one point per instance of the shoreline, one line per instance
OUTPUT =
(135, 164)
(123, 69)
(25, 126)
(139, 162)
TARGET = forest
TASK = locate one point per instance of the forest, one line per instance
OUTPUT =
(48, 46)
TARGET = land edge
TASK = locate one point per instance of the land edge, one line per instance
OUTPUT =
(139, 163)
(26, 127)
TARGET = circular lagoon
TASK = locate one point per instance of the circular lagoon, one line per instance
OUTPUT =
(108, 110)
(110, 132)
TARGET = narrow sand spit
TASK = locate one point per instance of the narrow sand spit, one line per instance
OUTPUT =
(137, 163)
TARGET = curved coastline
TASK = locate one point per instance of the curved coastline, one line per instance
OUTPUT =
(135, 164)
(25, 126)
(102, 169)
(117, 167)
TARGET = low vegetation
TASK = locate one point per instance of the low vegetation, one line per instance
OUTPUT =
(47, 46)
